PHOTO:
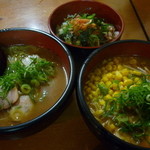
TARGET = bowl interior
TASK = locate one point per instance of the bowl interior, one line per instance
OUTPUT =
(44, 40)
(31, 37)
(123, 48)
(119, 48)
(101, 10)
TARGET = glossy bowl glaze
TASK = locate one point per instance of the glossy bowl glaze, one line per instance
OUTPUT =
(42, 39)
(100, 9)
(118, 48)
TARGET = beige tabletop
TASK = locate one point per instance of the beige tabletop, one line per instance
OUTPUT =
(142, 7)
(69, 132)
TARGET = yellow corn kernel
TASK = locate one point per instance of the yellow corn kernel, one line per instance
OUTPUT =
(97, 78)
(107, 97)
(116, 93)
(88, 90)
(90, 84)
(121, 87)
(93, 87)
(138, 73)
(125, 78)
(109, 67)
(108, 83)
(103, 68)
(121, 83)
(112, 127)
(128, 82)
(92, 77)
(101, 82)
(98, 112)
(104, 79)
(125, 87)
(85, 87)
(96, 82)
(111, 92)
(90, 96)
(94, 93)
(118, 75)
(105, 71)
(114, 86)
(125, 72)
(87, 82)
(109, 75)
(114, 67)
(102, 102)
(111, 63)
(97, 89)
(119, 67)
(136, 79)
(87, 99)
(139, 82)
(133, 61)
(97, 71)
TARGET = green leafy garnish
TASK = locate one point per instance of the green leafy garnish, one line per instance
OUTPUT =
(85, 29)
(26, 72)
(130, 111)
(103, 89)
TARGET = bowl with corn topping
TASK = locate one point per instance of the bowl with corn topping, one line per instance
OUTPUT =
(85, 25)
(113, 93)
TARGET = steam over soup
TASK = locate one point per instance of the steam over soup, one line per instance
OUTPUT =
(31, 84)
(118, 95)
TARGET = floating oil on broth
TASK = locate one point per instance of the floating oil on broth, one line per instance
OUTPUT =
(40, 92)
(117, 92)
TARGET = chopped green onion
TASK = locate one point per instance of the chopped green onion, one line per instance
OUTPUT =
(26, 88)
(103, 89)
(148, 97)
(35, 83)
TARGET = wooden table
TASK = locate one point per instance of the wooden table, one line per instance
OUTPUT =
(142, 8)
(69, 132)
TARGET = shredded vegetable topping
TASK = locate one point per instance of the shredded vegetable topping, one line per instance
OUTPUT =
(130, 110)
(26, 72)
(86, 30)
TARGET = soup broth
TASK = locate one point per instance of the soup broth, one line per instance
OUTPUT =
(47, 91)
(118, 94)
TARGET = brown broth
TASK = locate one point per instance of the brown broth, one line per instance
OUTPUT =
(54, 89)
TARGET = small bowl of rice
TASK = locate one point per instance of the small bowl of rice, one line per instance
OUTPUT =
(85, 25)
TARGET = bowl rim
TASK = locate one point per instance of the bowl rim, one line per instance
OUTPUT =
(84, 109)
(84, 1)
(68, 89)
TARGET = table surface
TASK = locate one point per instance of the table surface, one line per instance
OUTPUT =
(69, 132)
(142, 9)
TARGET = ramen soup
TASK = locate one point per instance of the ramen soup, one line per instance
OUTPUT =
(32, 82)
(118, 95)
